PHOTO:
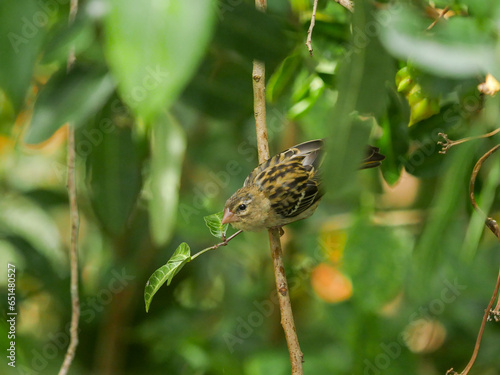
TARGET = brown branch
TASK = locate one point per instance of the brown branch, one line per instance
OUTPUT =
(75, 224)
(490, 223)
(441, 15)
(311, 27)
(216, 246)
(448, 143)
(348, 4)
(287, 321)
(493, 226)
(259, 109)
(495, 314)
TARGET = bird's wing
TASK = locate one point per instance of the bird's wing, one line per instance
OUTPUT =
(291, 186)
(308, 153)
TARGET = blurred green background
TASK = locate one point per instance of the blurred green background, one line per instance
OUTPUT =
(390, 276)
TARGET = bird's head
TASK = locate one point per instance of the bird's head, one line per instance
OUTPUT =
(247, 209)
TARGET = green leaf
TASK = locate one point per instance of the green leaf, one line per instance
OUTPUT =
(283, 77)
(360, 91)
(77, 36)
(24, 218)
(20, 38)
(376, 253)
(461, 47)
(69, 97)
(221, 87)
(394, 141)
(154, 47)
(114, 167)
(315, 88)
(168, 144)
(254, 35)
(214, 224)
(182, 255)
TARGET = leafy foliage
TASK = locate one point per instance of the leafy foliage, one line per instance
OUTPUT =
(168, 146)
(150, 75)
(214, 224)
(161, 95)
(182, 255)
(166, 273)
(72, 97)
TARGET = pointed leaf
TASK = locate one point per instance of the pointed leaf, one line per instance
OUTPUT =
(182, 255)
(114, 167)
(69, 97)
(394, 141)
(154, 47)
(21, 34)
(460, 48)
(283, 77)
(214, 224)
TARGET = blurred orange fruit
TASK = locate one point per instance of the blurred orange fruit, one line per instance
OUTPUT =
(330, 284)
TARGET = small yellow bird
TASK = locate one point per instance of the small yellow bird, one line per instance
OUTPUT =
(283, 189)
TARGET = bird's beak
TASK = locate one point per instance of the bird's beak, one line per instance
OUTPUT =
(229, 217)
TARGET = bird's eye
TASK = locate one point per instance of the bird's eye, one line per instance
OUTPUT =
(242, 207)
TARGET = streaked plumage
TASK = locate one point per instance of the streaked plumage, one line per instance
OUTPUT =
(283, 189)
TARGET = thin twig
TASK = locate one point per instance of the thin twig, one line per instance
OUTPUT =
(490, 223)
(441, 15)
(311, 27)
(287, 321)
(448, 143)
(493, 226)
(216, 246)
(75, 223)
(259, 93)
(348, 4)
(495, 314)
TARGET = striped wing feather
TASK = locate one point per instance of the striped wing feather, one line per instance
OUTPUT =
(290, 178)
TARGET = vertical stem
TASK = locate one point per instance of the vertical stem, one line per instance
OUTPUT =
(287, 321)
(493, 226)
(75, 224)
(481, 329)
(259, 109)
(311, 27)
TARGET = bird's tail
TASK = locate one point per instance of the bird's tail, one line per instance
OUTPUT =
(373, 158)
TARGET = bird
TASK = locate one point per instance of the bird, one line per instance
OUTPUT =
(283, 189)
